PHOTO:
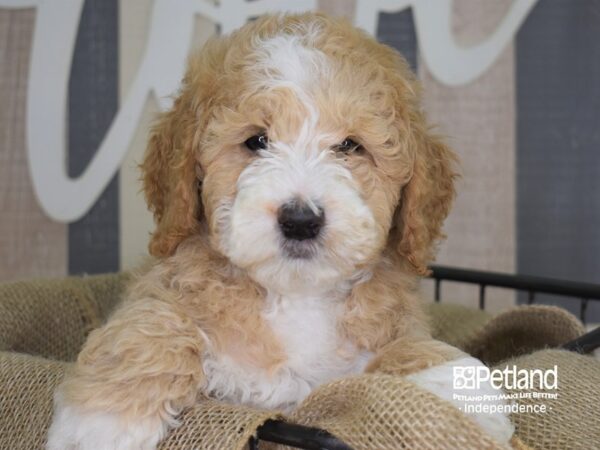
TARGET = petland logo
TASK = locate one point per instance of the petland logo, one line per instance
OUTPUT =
(511, 378)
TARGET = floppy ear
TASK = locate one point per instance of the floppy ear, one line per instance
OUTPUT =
(425, 200)
(169, 177)
(171, 174)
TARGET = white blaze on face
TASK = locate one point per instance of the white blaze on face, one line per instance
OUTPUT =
(291, 60)
(305, 170)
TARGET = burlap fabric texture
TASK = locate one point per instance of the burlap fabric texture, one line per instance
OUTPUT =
(44, 323)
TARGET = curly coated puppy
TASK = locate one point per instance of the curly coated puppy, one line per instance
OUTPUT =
(298, 195)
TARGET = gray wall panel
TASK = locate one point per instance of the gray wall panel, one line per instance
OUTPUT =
(558, 137)
(398, 30)
(93, 101)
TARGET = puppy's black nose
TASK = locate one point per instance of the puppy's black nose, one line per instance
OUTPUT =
(297, 221)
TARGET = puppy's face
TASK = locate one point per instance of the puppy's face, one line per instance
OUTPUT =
(303, 134)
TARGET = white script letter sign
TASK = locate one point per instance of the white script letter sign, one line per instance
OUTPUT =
(67, 199)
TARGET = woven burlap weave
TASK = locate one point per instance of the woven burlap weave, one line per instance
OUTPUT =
(455, 324)
(377, 411)
(388, 412)
(26, 387)
(523, 330)
(52, 318)
(573, 419)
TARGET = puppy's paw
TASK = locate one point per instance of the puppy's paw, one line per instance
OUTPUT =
(439, 380)
(74, 429)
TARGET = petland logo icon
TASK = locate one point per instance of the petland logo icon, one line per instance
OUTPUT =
(471, 377)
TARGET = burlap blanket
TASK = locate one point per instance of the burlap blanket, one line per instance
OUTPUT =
(44, 323)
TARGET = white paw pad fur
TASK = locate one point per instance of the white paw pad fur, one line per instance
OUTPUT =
(439, 380)
(73, 429)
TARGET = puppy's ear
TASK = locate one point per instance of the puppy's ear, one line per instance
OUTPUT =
(170, 184)
(171, 174)
(425, 200)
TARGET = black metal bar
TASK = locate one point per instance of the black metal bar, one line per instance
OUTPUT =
(586, 343)
(438, 287)
(583, 309)
(253, 443)
(482, 296)
(299, 436)
(588, 291)
(531, 298)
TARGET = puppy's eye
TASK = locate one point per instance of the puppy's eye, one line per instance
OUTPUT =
(257, 142)
(348, 146)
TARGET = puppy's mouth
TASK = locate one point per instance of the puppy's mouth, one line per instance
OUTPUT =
(294, 249)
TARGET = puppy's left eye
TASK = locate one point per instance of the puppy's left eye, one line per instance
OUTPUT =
(348, 146)
(257, 142)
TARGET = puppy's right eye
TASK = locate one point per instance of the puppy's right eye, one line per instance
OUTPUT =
(257, 142)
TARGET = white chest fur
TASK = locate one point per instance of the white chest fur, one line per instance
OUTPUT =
(307, 329)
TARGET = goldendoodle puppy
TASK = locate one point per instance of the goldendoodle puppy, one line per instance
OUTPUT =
(298, 195)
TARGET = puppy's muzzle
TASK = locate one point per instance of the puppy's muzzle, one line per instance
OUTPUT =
(298, 221)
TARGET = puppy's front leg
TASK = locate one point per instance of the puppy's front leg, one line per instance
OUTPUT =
(405, 356)
(131, 380)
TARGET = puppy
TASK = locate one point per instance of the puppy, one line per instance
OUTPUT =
(298, 195)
